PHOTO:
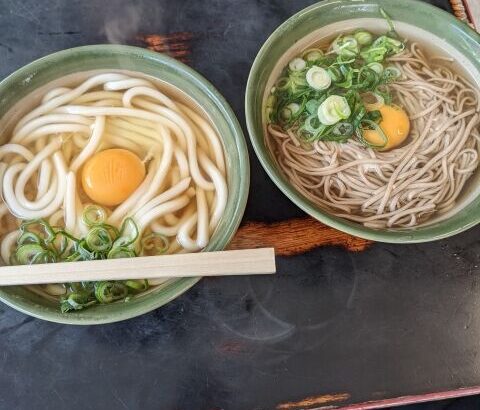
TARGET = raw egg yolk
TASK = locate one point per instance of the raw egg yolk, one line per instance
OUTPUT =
(395, 125)
(111, 176)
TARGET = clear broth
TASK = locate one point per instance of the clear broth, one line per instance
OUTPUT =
(430, 44)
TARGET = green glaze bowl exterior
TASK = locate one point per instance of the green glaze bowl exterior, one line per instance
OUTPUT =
(115, 57)
(414, 13)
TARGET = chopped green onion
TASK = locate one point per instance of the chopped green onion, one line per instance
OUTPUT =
(120, 252)
(312, 54)
(391, 73)
(40, 227)
(114, 232)
(297, 64)
(392, 45)
(348, 79)
(33, 253)
(283, 83)
(343, 129)
(297, 79)
(346, 46)
(372, 101)
(375, 116)
(28, 238)
(312, 106)
(335, 74)
(94, 215)
(377, 67)
(363, 37)
(155, 243)
(271, 100)
(381, 48)
(388, 19)
(318, 78)
(290, 110)
(366, 79)
(382, 90)
(98, 239)
(371, 125)
(128, 233)
(333, 109)
(39, 242)
(312, 124)
(269, 114)
(138, 285)
(328, 96)
(62, 242)
(107, 292)
(373, 54)
(74, 257)
(76, 301)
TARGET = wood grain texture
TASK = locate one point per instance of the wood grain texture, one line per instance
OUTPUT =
(406, 400)
(235, 262)
(314, 402)
(176, 45)
(294, 236)
(467, 11)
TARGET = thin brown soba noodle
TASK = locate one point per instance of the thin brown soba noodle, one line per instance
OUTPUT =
(406, 186)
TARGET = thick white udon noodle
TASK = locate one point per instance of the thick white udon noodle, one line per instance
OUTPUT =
(406, 186)
(183, 195)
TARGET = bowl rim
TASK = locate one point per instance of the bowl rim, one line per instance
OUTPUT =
(393, 236)
(189, 75)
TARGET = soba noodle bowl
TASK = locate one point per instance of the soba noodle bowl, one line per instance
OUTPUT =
(160, 184)
(392, 184)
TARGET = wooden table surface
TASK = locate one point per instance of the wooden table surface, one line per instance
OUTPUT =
(342, 324)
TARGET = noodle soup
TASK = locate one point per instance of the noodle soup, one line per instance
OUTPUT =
(101, 165)
(404, 153)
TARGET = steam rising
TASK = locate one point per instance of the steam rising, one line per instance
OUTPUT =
(123, 27)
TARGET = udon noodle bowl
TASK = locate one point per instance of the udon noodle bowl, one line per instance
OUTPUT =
(114, 164)
(379, 128)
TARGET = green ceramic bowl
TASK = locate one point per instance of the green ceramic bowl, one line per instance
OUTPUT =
(414, 20)
(178, 77)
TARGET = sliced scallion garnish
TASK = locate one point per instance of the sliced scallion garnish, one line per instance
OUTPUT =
(372, 101)
(372, 125)
(128, 233)
(312, 54)
(354, 64)
(363, 37)
(154, 244)
(346, 46)
(343, 129)
(28, 238)
(138, 285)
(121, 252)
(333, 109)
(39, 242)
(108, 292)
(98, 239)
(377, 67)
(318, 78)
(94, 215)
(297, 64)
(391, 73)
